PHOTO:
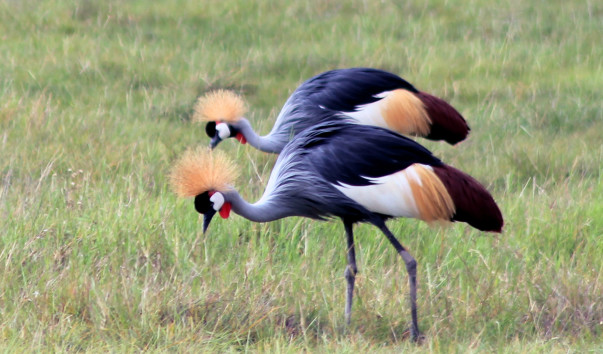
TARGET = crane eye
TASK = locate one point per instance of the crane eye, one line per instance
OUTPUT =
(210, 129)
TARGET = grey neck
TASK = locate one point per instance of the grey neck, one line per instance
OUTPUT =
(262, 143)
(262, 211)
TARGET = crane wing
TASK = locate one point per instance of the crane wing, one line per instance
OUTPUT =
(345, 90)
(354, 154)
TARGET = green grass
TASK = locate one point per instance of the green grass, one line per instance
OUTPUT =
(97, 254)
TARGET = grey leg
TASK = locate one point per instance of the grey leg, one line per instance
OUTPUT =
(350, 272)
(411, 268)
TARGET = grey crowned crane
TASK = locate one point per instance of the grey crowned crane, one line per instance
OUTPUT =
(367, 96)
(354, 172)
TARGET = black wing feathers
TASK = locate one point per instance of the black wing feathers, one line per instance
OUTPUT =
(355, 153)
(345, 89)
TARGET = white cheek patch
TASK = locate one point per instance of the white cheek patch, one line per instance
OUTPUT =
(223, 131)
(218, 200)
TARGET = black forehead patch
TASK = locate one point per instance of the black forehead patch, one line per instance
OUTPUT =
(210, 129)
(202, 203)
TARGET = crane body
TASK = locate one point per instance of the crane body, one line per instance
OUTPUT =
(361, 95)
(359, 174)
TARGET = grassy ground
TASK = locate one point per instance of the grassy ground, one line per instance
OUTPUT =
(97, 254)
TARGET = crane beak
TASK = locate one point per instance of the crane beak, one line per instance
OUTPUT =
(210, 129)
(214, 141)
(207, 218)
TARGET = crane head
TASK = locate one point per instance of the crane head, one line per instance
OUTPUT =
(219, 131)
(221, 109)
(207, 176)
(208, 203)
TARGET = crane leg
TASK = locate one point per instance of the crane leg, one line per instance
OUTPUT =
(411, 268)
(350, 271)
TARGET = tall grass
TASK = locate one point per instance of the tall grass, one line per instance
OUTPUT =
(97, 254)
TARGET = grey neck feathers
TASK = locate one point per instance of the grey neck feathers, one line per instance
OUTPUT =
(262, 211)
(262, 143)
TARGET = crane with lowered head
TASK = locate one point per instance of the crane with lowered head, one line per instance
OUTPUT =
(357, 173)
(362, 95)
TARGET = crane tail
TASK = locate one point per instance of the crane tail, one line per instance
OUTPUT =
(446, 122)
(424, 115)
(405, 113)
(473, 203)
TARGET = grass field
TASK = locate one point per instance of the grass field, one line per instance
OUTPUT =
(97, 254)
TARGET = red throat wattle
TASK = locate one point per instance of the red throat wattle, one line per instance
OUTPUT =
(225, 210)
(241, 138)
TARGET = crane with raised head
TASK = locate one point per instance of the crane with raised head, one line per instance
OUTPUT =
(357, 173)
(362, 95)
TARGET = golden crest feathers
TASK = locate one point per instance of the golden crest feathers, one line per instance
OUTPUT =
(200, 170)
(219, 105)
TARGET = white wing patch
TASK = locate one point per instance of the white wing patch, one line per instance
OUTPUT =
(370, 114)
(389, 195)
